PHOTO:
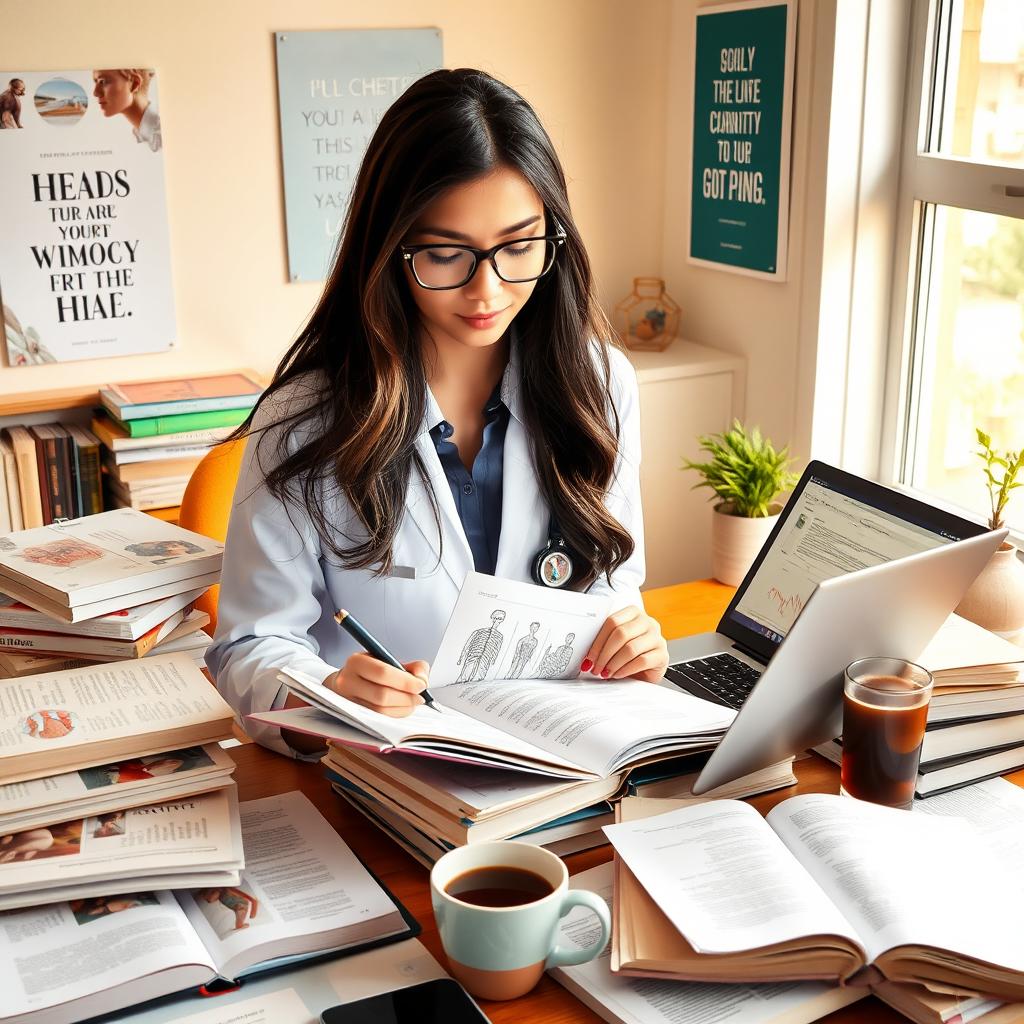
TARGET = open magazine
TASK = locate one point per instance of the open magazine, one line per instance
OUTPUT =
(191, 841)
(825, 887)
(302, 894)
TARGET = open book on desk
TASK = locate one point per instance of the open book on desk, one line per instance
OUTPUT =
(303, 894)
(822, 888)
(564, 729)
(621, 1000)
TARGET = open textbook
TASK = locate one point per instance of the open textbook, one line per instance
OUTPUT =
(303, 894)
(506, 681)
(187, 842)
(156, 778)
(822, 888)
(564, 729)
(60, 721)
(621, 1000)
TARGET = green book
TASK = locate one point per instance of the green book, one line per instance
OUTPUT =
(187, 421)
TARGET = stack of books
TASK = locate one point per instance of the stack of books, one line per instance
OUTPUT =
(155, 432)
(50, 471)
(430, 806)
(301, 895)
(86, 753)
(975, 724)
(116, 586)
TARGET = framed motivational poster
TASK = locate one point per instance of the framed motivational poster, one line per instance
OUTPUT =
(333, 88)
(742, 112)
(85, 261)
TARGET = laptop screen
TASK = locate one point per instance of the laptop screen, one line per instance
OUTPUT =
(832, 524)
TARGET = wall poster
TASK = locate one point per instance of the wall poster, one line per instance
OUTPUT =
(85, 262)
(333, 88)
(742, 113)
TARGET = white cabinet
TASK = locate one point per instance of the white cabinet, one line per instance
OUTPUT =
(685, 391)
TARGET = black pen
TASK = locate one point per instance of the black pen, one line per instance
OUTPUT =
(373, 646)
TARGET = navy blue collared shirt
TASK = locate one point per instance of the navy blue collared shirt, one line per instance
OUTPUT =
(478, 495)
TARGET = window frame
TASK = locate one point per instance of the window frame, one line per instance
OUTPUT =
(928, 179)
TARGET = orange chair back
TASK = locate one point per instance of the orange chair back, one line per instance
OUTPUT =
(206, 505)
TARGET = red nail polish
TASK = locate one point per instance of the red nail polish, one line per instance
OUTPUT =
(604, 673)
(587, 665)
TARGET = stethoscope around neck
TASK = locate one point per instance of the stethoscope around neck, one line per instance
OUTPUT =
(553, 564)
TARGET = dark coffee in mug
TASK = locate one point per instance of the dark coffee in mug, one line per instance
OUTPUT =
(499, 886)
(882, 741)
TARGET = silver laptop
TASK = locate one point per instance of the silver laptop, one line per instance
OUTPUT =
(889, 610)
(834, 523)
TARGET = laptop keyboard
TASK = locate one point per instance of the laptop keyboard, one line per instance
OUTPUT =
(728, 678)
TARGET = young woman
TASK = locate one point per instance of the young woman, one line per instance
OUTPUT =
(452, 404)
(126, 91)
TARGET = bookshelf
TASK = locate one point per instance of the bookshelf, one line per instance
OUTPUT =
(65, 405)
(53, 401)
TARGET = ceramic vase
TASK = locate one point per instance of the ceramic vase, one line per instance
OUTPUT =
(995, 599)
(735, 542)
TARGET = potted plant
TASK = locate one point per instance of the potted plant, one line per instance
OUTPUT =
(996, 598)
(747, 475)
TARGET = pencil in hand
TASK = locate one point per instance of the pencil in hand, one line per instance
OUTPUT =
(373, 646)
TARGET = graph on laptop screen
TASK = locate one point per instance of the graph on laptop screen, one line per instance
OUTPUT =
(826, 533)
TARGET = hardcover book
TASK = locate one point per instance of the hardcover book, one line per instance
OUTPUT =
(176, 396)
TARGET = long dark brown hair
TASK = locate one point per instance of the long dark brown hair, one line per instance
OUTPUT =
(367, 394)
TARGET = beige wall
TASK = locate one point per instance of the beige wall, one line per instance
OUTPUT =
(596, 70)
(755, 318)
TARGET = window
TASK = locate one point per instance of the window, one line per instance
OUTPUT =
(957, 359)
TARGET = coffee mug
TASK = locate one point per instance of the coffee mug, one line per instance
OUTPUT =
(501, 951)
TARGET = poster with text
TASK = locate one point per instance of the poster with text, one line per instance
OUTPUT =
(85, 263)
(742, 111)
(333, 89)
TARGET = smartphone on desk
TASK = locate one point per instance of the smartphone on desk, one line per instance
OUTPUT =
(441, 1001)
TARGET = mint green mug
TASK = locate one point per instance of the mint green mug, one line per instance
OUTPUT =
(500, 952)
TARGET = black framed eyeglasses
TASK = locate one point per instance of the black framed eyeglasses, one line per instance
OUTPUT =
(438, 267)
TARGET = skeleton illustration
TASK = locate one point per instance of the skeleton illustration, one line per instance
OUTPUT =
(555, 662)
(524, 651)
(481, 650)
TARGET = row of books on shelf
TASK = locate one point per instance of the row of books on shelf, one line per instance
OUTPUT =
(139, 453)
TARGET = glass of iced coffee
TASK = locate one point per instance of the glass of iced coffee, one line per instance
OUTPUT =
(885, 709)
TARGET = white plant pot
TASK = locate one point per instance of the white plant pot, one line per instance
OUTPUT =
(735, 542)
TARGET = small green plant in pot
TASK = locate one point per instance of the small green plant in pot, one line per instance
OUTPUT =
(747, 474)
(996, 598)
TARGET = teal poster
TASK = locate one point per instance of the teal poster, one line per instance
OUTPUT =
(333, 89)
(743, 80)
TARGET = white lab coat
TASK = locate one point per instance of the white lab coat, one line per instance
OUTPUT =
(280, 587)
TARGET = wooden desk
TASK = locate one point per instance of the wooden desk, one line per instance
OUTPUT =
(682, 610)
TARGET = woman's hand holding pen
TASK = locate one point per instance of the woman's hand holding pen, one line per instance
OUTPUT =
(628, 645)
(379, 686)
